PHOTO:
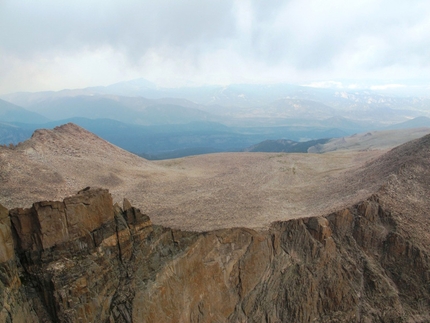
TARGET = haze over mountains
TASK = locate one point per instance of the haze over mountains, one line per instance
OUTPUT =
(173, 122)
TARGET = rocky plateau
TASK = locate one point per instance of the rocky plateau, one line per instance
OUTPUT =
(364, 258)
(199, 193)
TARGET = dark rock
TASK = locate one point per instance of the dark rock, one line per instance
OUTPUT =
(98, 262)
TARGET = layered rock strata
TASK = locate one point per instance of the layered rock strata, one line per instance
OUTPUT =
(87, 260)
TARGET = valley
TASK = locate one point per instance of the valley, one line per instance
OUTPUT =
(163, 123)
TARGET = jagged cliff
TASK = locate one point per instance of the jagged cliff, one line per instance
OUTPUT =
(88, 260)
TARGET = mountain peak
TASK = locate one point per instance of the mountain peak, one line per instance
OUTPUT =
(72, 128)
(56, 162)
(70, 133)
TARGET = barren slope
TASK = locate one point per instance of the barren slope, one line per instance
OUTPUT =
(195, 193)
(386, 139)
(54, 163)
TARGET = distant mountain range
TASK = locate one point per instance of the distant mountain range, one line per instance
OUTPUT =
(145, 119)
(10, 112)
(130, 110)
(235, 95)
(417, 122)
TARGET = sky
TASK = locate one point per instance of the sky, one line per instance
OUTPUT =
(57, 44)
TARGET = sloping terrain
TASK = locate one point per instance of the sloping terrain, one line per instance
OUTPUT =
(418, 122)
(53, 163)
(85, 259)
(196, 193)
(385, 139)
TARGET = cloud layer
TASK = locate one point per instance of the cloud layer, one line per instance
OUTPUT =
(50, 44)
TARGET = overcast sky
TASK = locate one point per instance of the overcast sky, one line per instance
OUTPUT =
(56, 44)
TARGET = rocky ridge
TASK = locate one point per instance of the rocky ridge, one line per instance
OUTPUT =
(88, 260)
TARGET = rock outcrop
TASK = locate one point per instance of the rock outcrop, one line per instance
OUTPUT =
(87, 260)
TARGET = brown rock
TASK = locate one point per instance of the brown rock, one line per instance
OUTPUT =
(319, 228)
(351, 266)
(15, 305)
(88, 210)
(53, 224)
(27, 226)
(6, 241)
(49, 223)
(342, 222)
(126, 204)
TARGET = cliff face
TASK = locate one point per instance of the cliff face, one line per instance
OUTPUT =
(86, 260)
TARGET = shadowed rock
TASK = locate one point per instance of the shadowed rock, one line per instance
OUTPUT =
(353, 265)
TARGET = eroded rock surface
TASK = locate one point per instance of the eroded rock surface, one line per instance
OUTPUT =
(100, 262)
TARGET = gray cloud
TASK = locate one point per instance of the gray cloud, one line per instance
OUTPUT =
(30, 27)
(315, 34)
(212, 40)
